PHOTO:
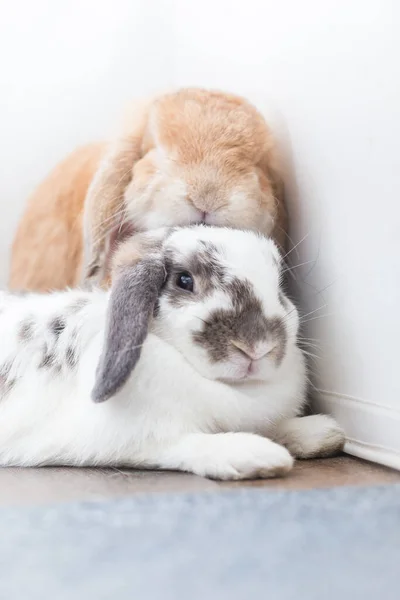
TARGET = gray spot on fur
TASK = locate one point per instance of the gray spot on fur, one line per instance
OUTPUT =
(10, 384)
(71, 357)
(277, 330)
(57, 326)
(48, 360)
(5, 369)
(242, 295)
(206, 264)
(26, 331)
(245, 323)
(6, 382)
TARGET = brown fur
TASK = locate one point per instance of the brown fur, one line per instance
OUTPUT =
(47, 249)
(190, 151)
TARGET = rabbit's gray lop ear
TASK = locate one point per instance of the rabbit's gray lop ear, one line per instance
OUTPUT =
(131, 307)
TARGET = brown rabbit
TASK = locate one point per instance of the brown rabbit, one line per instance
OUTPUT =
(186, 157)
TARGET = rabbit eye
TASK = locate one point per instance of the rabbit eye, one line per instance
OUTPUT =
(184, 280)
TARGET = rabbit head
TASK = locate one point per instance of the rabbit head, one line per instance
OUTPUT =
(190, 157)
(212, 293)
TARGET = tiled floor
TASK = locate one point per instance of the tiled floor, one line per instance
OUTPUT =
(46, 485)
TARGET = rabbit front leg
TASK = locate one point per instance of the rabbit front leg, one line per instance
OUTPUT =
(315, 436)
(227, 456)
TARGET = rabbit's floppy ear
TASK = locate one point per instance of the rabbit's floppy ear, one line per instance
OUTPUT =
(104, 209)
(133, 297)
(132, 302)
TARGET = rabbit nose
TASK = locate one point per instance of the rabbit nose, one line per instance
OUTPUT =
(255, 352)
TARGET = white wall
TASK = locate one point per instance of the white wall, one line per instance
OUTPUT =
(326, 73)
(67, 70)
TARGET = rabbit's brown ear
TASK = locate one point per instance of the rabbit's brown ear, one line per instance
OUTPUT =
(133, 297)
(104, 203)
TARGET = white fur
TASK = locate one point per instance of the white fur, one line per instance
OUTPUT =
(310, 437)
(168, 415)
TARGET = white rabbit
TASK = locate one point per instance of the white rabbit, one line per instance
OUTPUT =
(214, 388)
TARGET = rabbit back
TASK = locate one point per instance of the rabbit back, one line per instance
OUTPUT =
(44, 340)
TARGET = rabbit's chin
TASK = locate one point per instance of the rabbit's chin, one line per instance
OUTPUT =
(244, 369)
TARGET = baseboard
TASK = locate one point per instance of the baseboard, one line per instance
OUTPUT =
(372, 431)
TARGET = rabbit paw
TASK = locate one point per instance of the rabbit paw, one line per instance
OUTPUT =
(230, 456)
(316, 436)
